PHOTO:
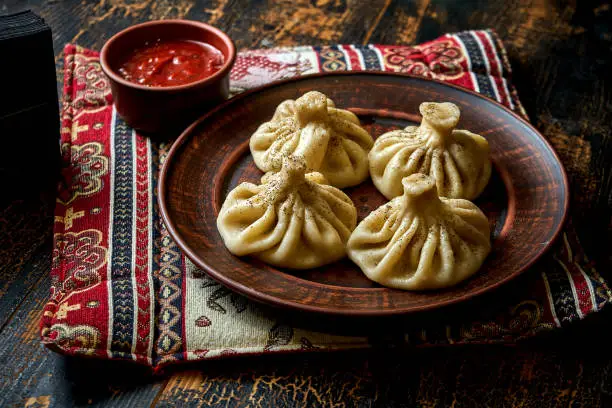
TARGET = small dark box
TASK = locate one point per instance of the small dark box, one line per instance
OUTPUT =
(29, 111)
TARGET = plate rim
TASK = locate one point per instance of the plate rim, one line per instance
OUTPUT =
(272, 300)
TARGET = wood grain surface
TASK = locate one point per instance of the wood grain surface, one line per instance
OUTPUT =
(561, 56)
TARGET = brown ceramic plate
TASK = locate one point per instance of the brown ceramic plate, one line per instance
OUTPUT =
(526, 199)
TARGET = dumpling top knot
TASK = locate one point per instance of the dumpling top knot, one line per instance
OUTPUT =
(290, 177)
(420, 192)
(442, 117)
(311, 107)
(293, 170)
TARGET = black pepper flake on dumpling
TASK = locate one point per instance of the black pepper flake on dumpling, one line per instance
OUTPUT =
(292, 219)
(419, 240)
(330, 140)
(458, 160)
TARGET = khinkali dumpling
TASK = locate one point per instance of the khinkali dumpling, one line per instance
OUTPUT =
(330, 140)
(419, 240)
(458, 160)
(291, 220)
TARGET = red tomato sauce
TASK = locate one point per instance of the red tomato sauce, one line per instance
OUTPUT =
(171, 63)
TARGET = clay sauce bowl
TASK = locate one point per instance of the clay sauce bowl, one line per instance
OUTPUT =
(169, 108)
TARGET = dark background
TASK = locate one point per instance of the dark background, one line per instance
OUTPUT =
(561, 54)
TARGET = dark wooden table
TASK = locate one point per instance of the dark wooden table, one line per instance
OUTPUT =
(561, 52)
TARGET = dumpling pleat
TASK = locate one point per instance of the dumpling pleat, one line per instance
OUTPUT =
(339, 204)
(240, 219)
(446, 256)
(385, 150)
(354, 132)
(345, 160)
(238, 195)
(338, 159)
(320, 232)
(275, 141)
(436, 169)
(339, 115)
(270, 133)
(387, 182)
(425, 271)
(291, 221)
(284, 110)
(402, 238)
(468, 231)
(333, 221)
(267, 231)
(379, 228)
(471, 216)
(312, 145)
(415, 160)
(453, 185)
(414, 254)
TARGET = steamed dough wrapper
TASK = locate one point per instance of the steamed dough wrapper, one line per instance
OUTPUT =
(330, 140)
(291, 220)
(421, 241)
(458, 160)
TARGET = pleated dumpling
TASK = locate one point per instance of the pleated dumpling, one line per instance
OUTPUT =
(330, 140)
(292, 219)
(421, 241)
(458, 160)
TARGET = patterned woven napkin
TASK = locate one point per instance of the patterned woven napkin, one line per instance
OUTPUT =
(121, 289)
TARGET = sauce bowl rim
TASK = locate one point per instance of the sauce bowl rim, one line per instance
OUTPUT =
(227, 64)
